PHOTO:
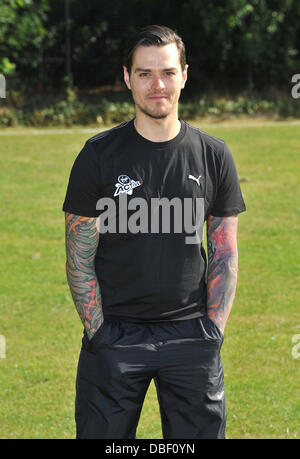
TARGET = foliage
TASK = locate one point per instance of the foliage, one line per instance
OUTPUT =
(22, 32)
(231, 44)
(70, 111)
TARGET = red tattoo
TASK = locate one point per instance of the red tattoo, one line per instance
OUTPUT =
(222, 267)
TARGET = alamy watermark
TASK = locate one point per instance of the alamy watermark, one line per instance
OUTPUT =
(160, 215)
(296, 348)
(296, 88)
(2, 87)
(2, 347)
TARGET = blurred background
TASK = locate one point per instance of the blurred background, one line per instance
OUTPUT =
(62, 59)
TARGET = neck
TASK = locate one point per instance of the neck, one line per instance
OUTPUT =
(157, 130)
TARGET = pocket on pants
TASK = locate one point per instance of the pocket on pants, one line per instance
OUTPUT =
(216, 327)
(209, 329)
(87, 343)
(106, 335)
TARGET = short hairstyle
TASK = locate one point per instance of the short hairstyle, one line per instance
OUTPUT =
(154, 35)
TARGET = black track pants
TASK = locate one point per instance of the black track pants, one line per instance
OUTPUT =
(116, 367)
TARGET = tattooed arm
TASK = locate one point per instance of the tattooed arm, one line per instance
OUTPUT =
(222, 267)
(81, 245)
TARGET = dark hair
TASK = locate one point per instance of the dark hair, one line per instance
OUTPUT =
(154, 35)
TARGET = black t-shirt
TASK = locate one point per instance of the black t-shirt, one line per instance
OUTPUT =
(153, 275)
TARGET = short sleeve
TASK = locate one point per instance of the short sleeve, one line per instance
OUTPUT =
(229, 200)
(84, 187)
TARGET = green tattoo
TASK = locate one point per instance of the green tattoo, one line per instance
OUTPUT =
(82, 240)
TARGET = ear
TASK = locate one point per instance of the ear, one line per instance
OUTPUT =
(126, 77)
(184, 76)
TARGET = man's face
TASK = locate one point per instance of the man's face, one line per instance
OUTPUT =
(156, 80)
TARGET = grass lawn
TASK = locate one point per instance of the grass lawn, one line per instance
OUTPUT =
(42, 329)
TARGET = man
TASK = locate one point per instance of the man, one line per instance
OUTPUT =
(151, 306)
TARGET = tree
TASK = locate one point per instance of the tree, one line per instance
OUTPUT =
(22, 31)
(231, 44)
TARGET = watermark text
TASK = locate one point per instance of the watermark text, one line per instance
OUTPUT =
(296, 88)
(2, 87)
(2, 347)
(159, 215)
(296, 348)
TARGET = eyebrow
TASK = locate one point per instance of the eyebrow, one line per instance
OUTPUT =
(139, 69)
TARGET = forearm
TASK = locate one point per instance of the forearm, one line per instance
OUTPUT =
(81, 245)
(222, 268)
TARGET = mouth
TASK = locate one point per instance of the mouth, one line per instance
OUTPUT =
(157, 97)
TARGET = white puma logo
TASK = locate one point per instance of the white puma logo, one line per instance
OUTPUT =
(194, 178)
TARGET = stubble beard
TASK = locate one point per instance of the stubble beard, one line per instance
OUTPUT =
(153, 115)
(158, 113)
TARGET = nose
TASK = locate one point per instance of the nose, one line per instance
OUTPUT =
(157, 82)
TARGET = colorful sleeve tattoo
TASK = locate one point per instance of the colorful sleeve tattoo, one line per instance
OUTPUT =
(82, 240)
(222, 267)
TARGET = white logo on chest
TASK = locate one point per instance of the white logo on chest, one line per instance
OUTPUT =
(125, 185)
(194, 178)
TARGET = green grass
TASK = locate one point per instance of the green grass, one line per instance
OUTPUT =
(43, 331)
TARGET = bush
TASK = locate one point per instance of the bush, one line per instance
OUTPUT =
(8, 117)
(70, 111)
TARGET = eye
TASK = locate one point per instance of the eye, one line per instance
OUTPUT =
(144, 74)
(170, 73)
